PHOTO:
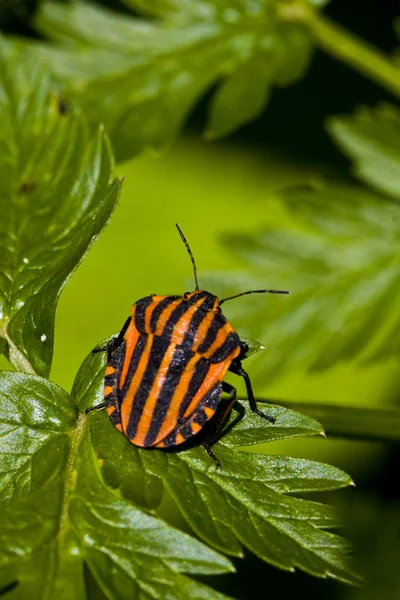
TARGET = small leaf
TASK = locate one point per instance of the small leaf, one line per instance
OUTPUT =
(371, 138)
(241, 98)
(56, 193)
(253, 346)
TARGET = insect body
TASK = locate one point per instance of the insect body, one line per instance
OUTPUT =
(165, 370)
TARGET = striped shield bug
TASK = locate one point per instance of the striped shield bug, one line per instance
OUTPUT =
(165, 370)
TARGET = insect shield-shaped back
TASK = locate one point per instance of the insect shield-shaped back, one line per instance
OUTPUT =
(165, 370)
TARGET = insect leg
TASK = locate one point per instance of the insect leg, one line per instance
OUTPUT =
(97, 407)
(114, 343)
(221, 418)
(236, 367)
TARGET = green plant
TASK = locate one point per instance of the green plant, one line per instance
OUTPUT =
(76, 496)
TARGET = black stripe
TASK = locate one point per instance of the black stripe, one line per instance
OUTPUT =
(155, 315)
(216, 324)
(110, 379)
(158, 349)
(231, 342)
(140, 313)
(178, 364)
(133, 365)
(115, 417)
(210, 399)
(179, 311)
(199, 375)
(194, 324)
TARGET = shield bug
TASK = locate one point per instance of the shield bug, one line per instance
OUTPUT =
(165, 370)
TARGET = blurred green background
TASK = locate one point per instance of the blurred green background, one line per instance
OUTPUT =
(213, 188)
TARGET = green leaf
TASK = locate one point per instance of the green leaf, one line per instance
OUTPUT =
(253, 430)
(253, 346)
(244, 503)
(141, 77)
(371, 138)
(56, 194)
(36, 416)
(353, 422)
(241, 98)
(339, 258)
(63, 517)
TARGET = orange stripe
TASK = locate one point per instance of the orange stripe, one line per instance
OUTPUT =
(209, 412)
(131, 337)
(151, 401)
(110, 370)
(170, 420)
(127, 402)
(195, 427)
(179, 439)
(108, 390)
(202, 331)
(165, 315)
(219, 340)
(110, 410)
(216, 373)
(149, 311)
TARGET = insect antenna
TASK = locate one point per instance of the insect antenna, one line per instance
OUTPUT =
(255, 292)
(190, 254)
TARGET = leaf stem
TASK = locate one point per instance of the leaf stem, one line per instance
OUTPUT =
(344, 45)
(66, 547)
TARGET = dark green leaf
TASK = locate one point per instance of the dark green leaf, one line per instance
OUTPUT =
(56, 195)
(142, 77)
(252, 429)
(35, 417)
(371, 138)
(62, 515)
(244, 503)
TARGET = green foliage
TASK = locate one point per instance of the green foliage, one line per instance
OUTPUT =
(372, 140)
(56, 194)
(338, 257)
(75, 495)
(81, 492)
(142, 77)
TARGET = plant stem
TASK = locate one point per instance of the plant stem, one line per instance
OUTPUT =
(350, 422)
(344, 45)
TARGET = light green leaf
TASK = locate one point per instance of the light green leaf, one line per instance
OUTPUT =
(56, 194)
(141, 77)
(253, 346)
(371, 138)
(241, 98)
(340, 261)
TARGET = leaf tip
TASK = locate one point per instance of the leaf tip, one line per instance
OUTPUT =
(322, 433)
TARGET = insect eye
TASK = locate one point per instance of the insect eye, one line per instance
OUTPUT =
(186, 295)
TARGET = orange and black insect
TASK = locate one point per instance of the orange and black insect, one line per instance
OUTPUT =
(165, 370)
